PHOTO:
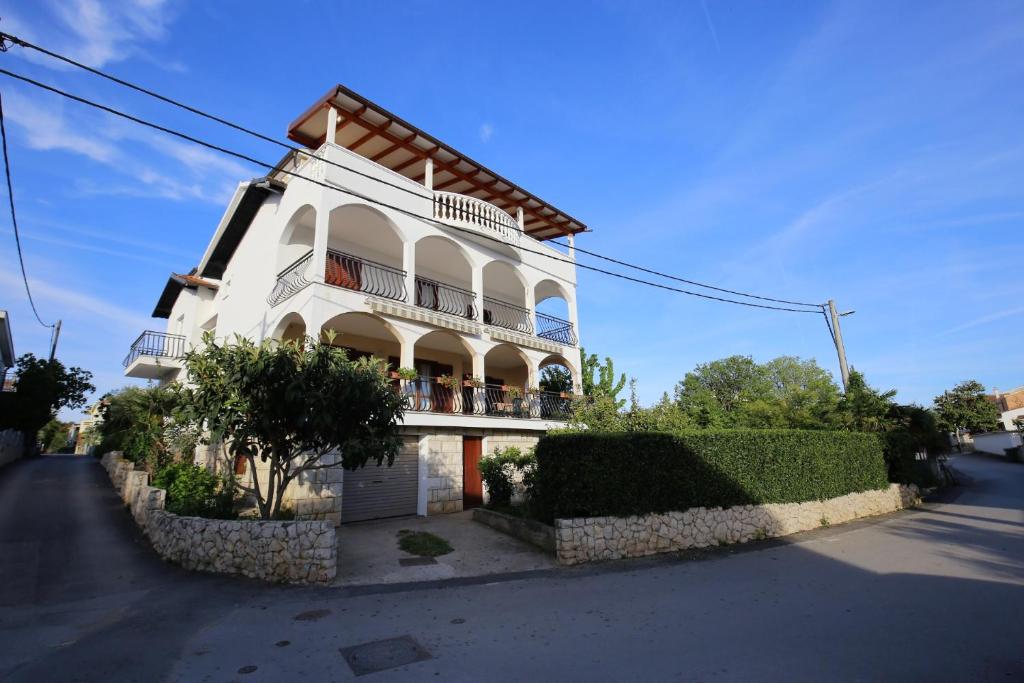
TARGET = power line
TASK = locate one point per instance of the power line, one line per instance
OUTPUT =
(14, 216)
(266, 138)
(369, 200)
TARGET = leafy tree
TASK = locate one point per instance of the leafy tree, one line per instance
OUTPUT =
(605, 384)
(863, 408)
(287, 405)
(806, 393)
(731, 382)
(44, 387)
(964, 407)
(148, 425)
(556, 378)
(54, 435)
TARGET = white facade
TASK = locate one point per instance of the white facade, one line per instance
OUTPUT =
(429, 280)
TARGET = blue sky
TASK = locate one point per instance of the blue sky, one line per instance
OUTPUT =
(869, 152)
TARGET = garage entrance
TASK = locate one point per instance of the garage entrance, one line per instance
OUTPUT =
(373, 492)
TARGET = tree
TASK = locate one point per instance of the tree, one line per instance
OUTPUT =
(606, 384)
(863, 408)
(148, 425)
(54, 435)
(556, 378)
(965, 408)
(44, 388)
(287, 405)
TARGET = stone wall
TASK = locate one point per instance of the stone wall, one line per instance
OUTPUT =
(296, 552)
(11, 445)
(586, 539)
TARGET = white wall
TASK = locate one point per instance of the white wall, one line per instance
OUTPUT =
(996, 442)
(1009, 416)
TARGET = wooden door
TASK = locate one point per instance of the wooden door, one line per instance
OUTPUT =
(472, 482)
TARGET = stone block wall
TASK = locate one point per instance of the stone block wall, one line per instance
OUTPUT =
(11, 445)
(586, 539)
(295, 552)
(444, 472)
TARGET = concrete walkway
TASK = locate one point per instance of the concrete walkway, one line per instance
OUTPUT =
(368, 552)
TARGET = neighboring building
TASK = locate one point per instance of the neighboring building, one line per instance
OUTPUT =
(440, 268)
(1010, 404)
(80, 432)
(6, 350)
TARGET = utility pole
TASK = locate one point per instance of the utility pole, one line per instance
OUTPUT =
(53, 341)
(838, 337)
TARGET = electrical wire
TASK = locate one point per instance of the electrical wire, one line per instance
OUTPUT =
(257, 162)
(266, 138)
(14, 216)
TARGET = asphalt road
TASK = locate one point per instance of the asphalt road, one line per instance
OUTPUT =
(930, 595)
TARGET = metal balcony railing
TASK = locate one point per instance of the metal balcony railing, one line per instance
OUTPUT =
(509, 316)
(434, 395)
(291, 279)
(443, 298)
(555, 329)
(157, 344)
(364, 275)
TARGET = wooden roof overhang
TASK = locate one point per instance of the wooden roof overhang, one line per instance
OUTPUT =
(380, 136)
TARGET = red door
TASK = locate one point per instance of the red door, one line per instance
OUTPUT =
(472, 483)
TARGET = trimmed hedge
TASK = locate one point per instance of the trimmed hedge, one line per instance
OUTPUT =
(634, 473)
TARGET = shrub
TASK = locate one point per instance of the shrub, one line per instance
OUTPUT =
(621, 474)
(501, 470)
(194, 491)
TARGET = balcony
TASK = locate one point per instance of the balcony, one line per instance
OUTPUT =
(503, 314)
(341, 270)
(154, 355)
(477, 216)
(446, 396)
(443, 298)
(555, 329)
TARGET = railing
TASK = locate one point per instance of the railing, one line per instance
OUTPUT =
(428, 395)
(555, 329)
(509, 316)
(470, 212)
(443, 298)
(364, 275)
(291, 279)
(159, 344)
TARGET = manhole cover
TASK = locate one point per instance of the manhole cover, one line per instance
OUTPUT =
(416, 561)
(312, 615)
(381, 655)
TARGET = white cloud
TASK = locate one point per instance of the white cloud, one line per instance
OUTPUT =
(486, 132)
(45, 129)
(984, 320)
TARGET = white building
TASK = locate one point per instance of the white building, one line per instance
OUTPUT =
(413, 253)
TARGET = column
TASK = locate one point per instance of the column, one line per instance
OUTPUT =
(428, 174)
(409, 266)
(323, 216)
(572, 246)
(407, 354)
(478, 291)
(531, 306)
(479, 370)
(332, 124)
(573, 317)
(519, 217)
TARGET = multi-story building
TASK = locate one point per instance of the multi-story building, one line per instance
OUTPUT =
(413, 253)
(1011, 406)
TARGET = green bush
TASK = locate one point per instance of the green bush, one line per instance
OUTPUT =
(499, 472)
(621, 474)
(194, 491)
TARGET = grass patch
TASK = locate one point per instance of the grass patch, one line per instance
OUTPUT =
(423, 543)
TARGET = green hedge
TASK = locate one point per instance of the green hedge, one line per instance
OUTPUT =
(632, 473)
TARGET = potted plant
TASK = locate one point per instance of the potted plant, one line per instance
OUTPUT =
(452, 383)
(473, 382)
(513, 392)
(533, 391)
(405, 373)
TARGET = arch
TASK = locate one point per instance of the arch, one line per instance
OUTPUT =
(437, 354)
(505, 301)
(558, 360)
(550, 289)
(364, 335)
(365, 232)
(292, 327)
(507, 364)
(444, 277)
(297, 237)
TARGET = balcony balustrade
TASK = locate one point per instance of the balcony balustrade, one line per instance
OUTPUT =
(510, 316)
(443, 298)
(555, 329)
(291, 279)
(436, 395)
(364, 275)
(156, 344)
(477, 215)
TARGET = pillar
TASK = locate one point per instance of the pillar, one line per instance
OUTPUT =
(519, 217)
(323, 217)
(531, 306)
(479, 370)
(478, 291)
(572, 246)
(332, 124)
(573, 316)
(407, 355)
(409, 266)
(428, 174)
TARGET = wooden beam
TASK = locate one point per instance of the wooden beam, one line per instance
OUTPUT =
(395, 147)
(366, 138)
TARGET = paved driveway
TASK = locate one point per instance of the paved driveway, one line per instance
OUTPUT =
(929, 595)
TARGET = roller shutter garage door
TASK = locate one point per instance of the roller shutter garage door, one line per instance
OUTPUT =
(372, 492)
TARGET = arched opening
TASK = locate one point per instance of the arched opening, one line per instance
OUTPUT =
(364, 252)
(444, 278)
(552, 312)
(291, 328)
(443, 363)
(505, 298)
(363, 335)
(558, 381)
(507, 381)
(297, 237)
